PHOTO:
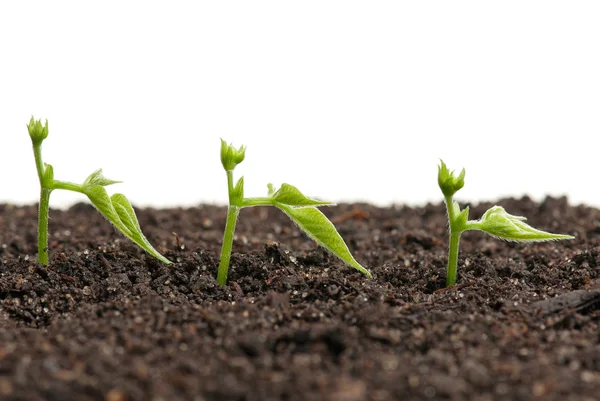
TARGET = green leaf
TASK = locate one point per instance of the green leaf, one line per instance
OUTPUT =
(129, 219)
(119, 212)
(498, 223)
(318, 227)
(100, 199)
(125, 212)
(96, 178)
(290, 195)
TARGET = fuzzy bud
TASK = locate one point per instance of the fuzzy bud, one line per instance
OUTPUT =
(448, 182)
(37, 131)
(230, 156)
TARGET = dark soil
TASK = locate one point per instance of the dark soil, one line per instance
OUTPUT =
(105, 321)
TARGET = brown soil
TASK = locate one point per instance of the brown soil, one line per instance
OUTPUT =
(105, 321)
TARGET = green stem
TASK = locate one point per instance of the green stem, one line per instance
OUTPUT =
(69, 186)
(236, 203)
(43, 213)
(39, 164)
(259, 201)
(44, 207)
(230, 186)
(232, 215)
(454, 244)
(452, 258)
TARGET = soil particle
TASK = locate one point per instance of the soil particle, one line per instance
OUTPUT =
(105, 321)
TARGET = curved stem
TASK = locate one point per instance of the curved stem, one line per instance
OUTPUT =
(39, 164)
(44, 207)
(232, 215)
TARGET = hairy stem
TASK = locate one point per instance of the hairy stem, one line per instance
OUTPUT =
(43, 213)
(232, 215)
(69, 186)
(39, 164)
(264, 201)
(44, 208)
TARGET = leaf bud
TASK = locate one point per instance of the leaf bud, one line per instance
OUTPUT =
(237, 195)
(230, 156)
(448, 182)
(37, 131)
(48, 177)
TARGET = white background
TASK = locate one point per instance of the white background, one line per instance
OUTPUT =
(346, 100)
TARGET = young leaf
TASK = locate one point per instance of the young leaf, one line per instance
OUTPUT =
(119, 212)
(100, 199)
(96, 178)
(459, 223)
(238, 190)
(125, 212)
(48, 177)
(129, 219)
(314, 223)
(290, 195)
(497, 222)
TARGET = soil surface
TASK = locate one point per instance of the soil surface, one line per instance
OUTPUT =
(105, 321)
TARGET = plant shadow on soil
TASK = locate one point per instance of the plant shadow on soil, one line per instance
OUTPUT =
(105, 321)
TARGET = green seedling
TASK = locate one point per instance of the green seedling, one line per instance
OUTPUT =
(495, 221)
(116, 208)
(302, 210)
